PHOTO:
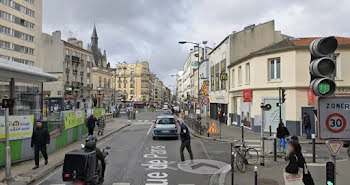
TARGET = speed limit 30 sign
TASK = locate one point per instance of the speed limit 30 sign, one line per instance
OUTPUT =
(334, 118)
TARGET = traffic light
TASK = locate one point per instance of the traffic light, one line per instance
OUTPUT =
(7, 103)
(283, 94)
(330, 173)
(322, 67)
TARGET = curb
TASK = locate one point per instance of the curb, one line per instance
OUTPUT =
(58, 164)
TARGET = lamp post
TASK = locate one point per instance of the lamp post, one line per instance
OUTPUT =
(196, 44)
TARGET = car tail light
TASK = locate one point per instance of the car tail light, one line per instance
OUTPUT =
(155, 126)
(66, 175)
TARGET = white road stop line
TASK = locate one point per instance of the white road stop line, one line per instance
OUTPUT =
(121, 183)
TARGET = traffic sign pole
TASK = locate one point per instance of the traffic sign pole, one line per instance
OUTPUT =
(8, 150)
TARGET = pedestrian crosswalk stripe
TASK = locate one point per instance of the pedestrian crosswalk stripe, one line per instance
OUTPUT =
(121, 183)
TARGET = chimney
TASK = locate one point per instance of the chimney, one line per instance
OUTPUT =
(56, 35)
(72, 41)
(80, 43)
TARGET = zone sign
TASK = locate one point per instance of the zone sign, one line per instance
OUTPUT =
(334, 118)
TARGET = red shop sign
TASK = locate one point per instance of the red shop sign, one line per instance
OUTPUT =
(310, 97)
(247, 95)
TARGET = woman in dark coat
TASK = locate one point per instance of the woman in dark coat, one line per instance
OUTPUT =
(282, 133)
(296, 158)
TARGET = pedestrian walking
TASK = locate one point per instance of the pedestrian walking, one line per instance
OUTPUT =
(101, 125)
(307, 125)
(91, 123)
(282, 133)
(128, 113)
(40, 141)
(185, 141)
(296, 172)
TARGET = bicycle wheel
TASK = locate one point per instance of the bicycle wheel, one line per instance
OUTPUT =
(252, 156)
(240, 163)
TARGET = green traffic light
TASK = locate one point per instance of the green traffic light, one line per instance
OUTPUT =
(324, 88)
(329, 183)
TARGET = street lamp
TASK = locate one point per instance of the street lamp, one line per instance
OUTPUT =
(196, 44)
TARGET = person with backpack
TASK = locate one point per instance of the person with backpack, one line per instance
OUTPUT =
(90, 124)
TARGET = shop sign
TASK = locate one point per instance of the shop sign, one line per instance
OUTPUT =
(247, 95)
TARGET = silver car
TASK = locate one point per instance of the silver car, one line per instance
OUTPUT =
(165, 127)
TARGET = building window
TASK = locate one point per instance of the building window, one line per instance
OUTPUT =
(59, 93)
(67, 78)
(337, 73)
(88, 81)
(124, 83)
(131, 91)
(247, 73)
(217, 77)
(240, 75)
(82, 56)
(16, 20)
(274, 69)
(74, 78)
(232, 78)
(74, 53)
(67, 52)
(223, 70)
(100, 82)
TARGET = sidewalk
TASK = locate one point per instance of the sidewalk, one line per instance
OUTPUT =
(22, 172)
(234, 134)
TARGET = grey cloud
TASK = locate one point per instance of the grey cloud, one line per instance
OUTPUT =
(132, 30)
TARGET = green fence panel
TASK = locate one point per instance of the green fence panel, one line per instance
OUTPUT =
(61, 140)
(75, 133)
(85, 130)
(16, 150)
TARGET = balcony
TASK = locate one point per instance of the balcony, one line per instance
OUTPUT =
(76, 84)
(75, 71)
(75, 59)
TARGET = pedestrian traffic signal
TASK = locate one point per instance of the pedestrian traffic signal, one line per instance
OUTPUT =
(322, 67)
(7, 103)
(330, 173)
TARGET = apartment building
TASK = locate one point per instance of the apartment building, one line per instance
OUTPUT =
(284, 64)
(235, 46)
(133, 81)
(20, 30)
(72, 64)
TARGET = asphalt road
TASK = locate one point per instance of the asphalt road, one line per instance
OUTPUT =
(136, 159)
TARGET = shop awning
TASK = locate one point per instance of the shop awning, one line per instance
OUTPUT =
(23, 73)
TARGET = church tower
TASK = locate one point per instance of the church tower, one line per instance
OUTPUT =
(94, 38)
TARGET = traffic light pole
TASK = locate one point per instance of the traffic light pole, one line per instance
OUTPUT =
(280, 103)
(7, 150)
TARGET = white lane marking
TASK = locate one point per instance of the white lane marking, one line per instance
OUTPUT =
(121, 183)
(149, 130)
(186, 184)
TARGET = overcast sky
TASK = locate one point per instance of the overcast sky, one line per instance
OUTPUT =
(138, 30)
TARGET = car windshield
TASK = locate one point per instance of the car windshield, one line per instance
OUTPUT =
(166, 121)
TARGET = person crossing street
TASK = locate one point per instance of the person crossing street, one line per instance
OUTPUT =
(185, 141)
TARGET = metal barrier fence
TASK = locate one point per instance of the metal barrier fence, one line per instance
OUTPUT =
(195, 125)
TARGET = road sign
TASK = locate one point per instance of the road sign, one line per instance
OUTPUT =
(334, 118)
(247, 95)
(204, 86)
(334, 146)
(212, 129)
(205, 93)
(205, 101)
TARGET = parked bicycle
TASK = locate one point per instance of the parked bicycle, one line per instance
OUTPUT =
(244, 156)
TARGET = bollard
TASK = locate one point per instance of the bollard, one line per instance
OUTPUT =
(313, 148)
(274, 147)
(242, 133)
(232, 165)
(256, 175)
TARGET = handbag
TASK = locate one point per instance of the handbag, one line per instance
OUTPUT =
(307, 178)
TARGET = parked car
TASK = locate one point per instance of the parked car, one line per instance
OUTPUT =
(165, 126)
